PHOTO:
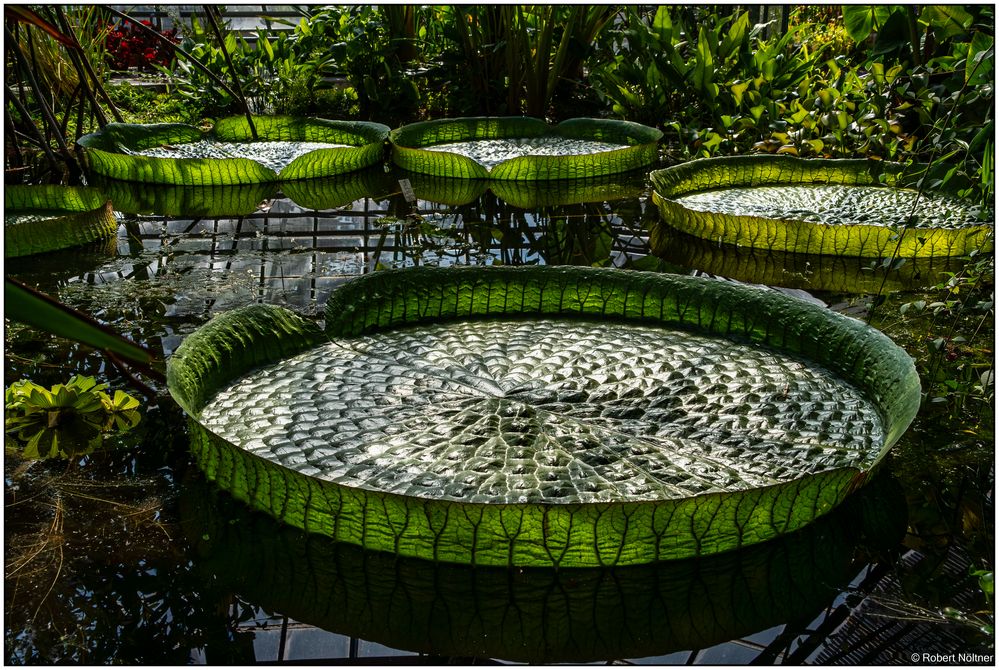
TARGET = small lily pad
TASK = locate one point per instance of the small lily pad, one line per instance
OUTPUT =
(46, 218)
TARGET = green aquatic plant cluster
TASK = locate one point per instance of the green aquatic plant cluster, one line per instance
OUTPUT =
(65, 420)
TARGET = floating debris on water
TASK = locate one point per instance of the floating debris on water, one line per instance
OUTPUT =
(839, 205)
(490, 153)
(275, 155)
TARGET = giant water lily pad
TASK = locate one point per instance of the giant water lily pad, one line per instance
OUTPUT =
(860, 208)
(523, 148)
(542, 415)
(38, 219)
(286, 148)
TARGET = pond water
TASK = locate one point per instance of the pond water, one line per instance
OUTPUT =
(127, 555)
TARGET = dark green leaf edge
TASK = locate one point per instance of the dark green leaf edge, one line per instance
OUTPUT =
(103, 151)
(795, 236)
(575, 535)
(407, 153)
(73, 216)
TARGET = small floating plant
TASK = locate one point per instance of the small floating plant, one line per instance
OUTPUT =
(859, 208)
(544, 416)
(39, 219)
(283, 148)
(523, 148)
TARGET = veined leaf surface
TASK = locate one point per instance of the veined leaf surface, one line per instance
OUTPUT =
(638, 147)
(46, 218)
(111, 152)
(618, 418)
(807, 220)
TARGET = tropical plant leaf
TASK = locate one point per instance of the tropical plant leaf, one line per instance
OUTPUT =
(503, 419)
(796, 231)
(37, 309)
(46, 218)
(107, 151)
(639, 148)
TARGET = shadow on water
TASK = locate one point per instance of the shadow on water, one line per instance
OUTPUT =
(133, 562)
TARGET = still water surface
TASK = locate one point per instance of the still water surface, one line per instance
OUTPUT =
(128, 556)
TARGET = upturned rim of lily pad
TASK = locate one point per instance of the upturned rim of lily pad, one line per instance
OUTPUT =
(639, 147)
(105, 151)
(69, 216)
(792, 235)
(538, 534)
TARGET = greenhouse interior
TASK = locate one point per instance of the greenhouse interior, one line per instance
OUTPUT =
(499, 334)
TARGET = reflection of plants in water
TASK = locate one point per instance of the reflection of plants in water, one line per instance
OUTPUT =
(47, 543)
(67, 419)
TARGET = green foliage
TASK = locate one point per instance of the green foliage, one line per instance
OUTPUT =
(67, 420)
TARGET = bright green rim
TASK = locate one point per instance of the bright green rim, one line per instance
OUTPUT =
(407, 152)
(795, 236)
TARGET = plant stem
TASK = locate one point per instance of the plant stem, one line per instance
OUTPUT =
(210, 11)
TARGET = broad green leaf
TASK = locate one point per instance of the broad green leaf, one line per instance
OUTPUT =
(638, 148)
(775, 203)
(45, 218)
(112, 152)
(37, 309)
(541, 441)
(947, 21)
(860, 20)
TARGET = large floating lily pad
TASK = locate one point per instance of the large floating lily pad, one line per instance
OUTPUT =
(38, 219)
(523, 148)
(860, 208)
(544, 416)
(286, 148)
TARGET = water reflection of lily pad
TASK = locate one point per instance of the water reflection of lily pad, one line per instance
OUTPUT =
(117, 151)
(186, 201)
(536, 615)
(38, 219)
(422, 147)
(457, 440)
(837, 274)
(860, 208)
(340, 190)
(529, 194)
